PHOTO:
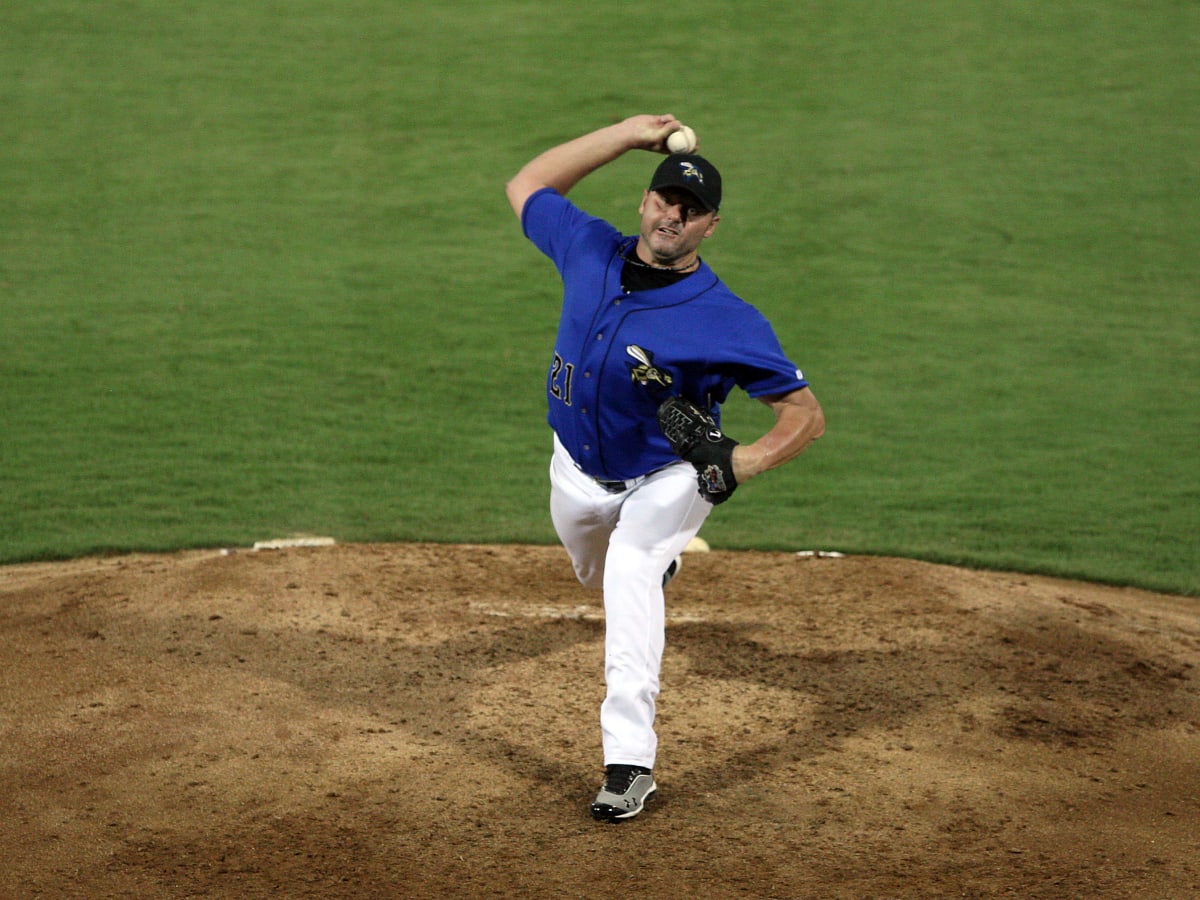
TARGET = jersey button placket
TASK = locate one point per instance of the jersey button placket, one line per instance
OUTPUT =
(585, 406)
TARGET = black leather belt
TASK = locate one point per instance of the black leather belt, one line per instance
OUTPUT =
(613, 487)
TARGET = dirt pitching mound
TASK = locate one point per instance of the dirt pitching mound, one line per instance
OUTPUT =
(421, 721)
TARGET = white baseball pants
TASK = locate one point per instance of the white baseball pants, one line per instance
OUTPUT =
(623, 543)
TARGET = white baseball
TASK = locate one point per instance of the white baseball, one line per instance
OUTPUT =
(682, 141)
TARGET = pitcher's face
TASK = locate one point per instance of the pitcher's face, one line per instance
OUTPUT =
(674, 224)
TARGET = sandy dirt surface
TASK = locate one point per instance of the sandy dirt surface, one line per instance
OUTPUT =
(421, 721)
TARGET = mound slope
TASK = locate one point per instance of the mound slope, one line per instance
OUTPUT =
(421, 721)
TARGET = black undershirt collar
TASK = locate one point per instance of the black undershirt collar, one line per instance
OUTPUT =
(638, 276)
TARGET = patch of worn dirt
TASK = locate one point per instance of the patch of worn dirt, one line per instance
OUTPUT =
(422, 721)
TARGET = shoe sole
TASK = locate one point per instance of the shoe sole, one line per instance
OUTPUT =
(606, 813)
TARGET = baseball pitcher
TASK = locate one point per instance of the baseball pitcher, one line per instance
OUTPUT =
(650, 343)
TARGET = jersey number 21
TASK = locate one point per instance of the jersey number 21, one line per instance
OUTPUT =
(561, 370)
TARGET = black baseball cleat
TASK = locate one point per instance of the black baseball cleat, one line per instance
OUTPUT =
(624, 794)
(672, 570)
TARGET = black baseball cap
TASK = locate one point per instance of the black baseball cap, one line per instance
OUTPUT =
(691, 173)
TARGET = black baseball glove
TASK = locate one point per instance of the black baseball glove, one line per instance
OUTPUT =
(695, 437)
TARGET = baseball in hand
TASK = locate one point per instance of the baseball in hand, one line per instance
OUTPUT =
(682, 141)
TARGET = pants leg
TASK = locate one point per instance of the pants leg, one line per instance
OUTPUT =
(623, 543)
(584, 516)
(657, 520)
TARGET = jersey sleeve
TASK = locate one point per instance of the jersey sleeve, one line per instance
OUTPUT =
(553, 224)
(758, 365)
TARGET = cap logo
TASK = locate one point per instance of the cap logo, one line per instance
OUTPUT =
(689, 170)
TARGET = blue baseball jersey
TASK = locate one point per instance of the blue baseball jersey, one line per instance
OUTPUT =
(699, 333)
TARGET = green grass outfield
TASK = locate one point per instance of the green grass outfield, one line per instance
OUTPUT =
(258, 276)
